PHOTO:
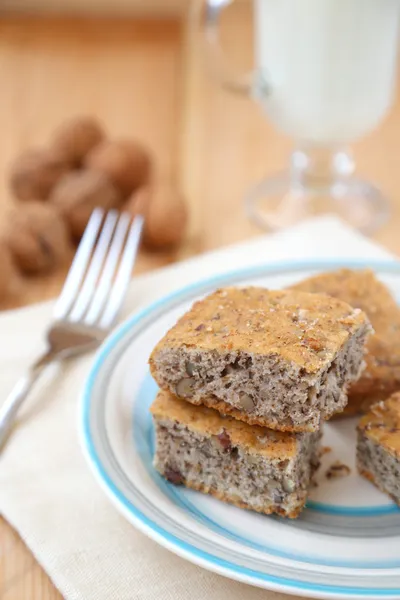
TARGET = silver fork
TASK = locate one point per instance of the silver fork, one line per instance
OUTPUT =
(89, 302)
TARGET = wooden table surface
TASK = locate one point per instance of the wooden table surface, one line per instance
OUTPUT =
(147, 80)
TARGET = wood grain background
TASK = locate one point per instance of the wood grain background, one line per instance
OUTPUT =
(146, 79)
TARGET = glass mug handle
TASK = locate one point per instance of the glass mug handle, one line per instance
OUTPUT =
(251, 84)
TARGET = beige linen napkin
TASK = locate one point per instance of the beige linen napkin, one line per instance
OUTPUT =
(46, 489)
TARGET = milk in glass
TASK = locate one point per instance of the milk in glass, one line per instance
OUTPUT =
(330, 65)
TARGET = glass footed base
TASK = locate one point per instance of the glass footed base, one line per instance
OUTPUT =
(275, 203)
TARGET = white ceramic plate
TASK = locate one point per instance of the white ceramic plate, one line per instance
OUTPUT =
(345, 544)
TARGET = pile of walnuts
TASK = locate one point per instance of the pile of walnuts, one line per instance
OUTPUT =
(57, 188)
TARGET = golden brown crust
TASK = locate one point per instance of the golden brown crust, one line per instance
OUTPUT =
(381, 424)
(266, 510)
(361, 402)
(361, 289)
(226, 409)
(254, 439)
(303, 329)
(368, 475)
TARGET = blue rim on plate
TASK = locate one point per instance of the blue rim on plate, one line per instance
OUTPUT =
(144, 442)
(151, 528)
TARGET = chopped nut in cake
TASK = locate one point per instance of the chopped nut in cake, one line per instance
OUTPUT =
(248, 466)
(279, 359)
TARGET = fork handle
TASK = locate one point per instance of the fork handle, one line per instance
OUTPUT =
(10, 408)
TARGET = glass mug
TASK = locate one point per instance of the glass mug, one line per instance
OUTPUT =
(325, 73)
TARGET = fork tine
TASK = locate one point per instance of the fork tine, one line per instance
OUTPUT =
(95, 267)
(123, 274)
(106, 279)
(79, 265)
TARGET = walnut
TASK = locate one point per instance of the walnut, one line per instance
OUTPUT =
(37, 237)
(165, 215)
(337, 469)
(34, 174)
(78, 193)
(125, 162)
(7, 271)
(76, 137)
(173, 475)
(224, 440)
(185, 387)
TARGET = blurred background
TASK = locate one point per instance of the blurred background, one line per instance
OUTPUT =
(138, 69)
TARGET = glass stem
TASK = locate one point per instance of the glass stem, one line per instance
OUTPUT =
(318, 168)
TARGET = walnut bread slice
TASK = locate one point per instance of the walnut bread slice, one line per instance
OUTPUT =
(279, 359)
(361, 289)
(378, 446)
(251, 467)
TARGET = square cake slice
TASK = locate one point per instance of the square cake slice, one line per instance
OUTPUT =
(378, 446)
(248, 466)
(361, 289)
(279, 359)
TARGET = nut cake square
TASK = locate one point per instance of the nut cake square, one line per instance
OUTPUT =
(378, 446)
(361, 289)
(249, 466)
(279, 359)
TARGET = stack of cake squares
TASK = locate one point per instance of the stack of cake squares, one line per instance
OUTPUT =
(247, 377)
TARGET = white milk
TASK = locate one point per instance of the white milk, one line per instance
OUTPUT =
(331, 65)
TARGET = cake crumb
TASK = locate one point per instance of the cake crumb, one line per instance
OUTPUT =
(325, 450)
(337, 469)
